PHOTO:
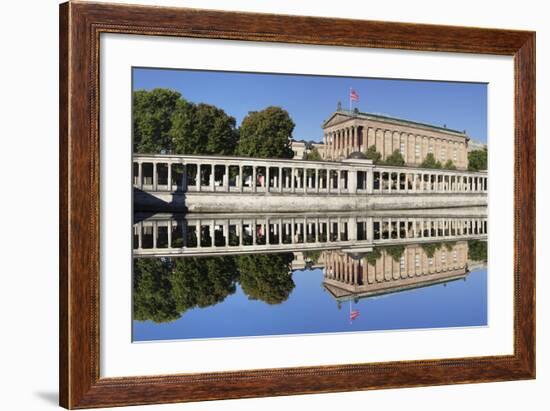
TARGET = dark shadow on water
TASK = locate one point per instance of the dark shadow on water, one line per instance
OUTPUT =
(147, 205)
(51, 397)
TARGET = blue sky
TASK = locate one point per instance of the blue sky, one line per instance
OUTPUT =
(312, 99)
(310, 309)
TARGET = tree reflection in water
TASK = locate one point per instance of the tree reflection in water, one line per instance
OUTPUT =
(165, 288)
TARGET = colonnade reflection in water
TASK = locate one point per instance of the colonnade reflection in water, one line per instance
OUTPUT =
(190, 262)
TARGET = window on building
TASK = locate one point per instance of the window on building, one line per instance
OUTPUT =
(454, 154)
(417, 150)
(443, 153)
(430, 149)
(402, 148)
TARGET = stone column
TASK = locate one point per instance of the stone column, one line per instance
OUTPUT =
(352, 181)
(212, 168)
(140, 234)
(316, 180)
(198, 177)
(389, 182)
(212, 231)
(253, 232)
(155, 177)
(267, 178)
(254, 178)
(140, 175)
(240, 179)
(169, 232)
(225, 181)
(292, 180)
(370, 180)
(169, 176)
(280, 179)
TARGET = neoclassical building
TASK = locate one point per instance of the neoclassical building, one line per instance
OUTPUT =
(346, 132)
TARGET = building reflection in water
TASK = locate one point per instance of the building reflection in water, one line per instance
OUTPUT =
(188, 262)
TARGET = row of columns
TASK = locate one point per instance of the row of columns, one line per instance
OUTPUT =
(259, 232)
(264, 179)
(414, 148)
(179, 234)
(342, 142)
(391, 229)
(295, 179)
(414, 262)
(437, 182)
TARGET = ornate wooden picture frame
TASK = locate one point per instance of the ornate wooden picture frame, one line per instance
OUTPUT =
(81, 25)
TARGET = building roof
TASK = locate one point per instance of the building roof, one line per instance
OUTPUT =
(389, 119)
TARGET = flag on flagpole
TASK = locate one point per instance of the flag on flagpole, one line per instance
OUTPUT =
(353, 95)
(353, 315)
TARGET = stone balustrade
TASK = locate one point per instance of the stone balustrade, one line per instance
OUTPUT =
(211, 235)
(223, 174)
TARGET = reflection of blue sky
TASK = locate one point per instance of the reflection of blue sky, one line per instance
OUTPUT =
(312, 99)
(311, 309)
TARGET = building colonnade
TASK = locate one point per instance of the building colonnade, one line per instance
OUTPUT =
(227, 174)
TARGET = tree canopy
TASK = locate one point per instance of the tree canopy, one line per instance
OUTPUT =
(395, 159)
(152, 296)
(449, 165)
(152, 118)
(477, 160)
(202, 129)
(395, 251)
(430, 162)
(477, 250)
(165, 288)
(313, 155)
(165, 122)
(266, 133)
(373, 155)
(266, 277)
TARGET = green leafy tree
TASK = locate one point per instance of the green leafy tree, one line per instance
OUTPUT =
(373, 155)
(395, 251)
(395, 159)
(477, 250)
(477, 160)
(266, 134)
(202, 129)
(152, 119)
(202, 282)
(449, 165)
(152, 296)
(431, 248)
(313, 155)
(266, 277)
(312, 255)
(430, 162)
(373, 256)
(166, 288)
(449, 245)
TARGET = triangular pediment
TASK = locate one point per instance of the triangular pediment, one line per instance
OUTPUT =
(336, 118)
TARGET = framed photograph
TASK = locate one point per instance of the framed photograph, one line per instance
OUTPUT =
(259, 205)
